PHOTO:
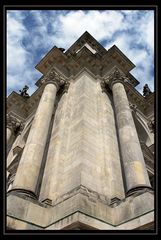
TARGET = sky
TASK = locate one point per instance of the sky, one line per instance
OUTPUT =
(32, 33)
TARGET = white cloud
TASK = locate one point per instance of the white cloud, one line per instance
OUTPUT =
(16, 54)
(138, 45)
(147, 30)
(19, 60)
(100, 25)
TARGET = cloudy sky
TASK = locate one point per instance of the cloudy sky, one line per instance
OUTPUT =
(32, 33)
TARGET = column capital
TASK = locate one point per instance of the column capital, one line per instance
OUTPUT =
(115, 77)
(57, 79)
(103, 85)
(14, 124)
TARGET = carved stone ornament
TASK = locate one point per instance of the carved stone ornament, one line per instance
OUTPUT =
(103, 85)
(117, 76)
(54, 77)
(104, 82)
(151, 125)
(133, 107)
(66, 86)
(14, 124)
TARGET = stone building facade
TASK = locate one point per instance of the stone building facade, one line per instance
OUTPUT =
(80, 150)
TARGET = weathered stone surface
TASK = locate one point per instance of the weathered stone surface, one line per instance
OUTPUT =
(84, 206)
(83, 146)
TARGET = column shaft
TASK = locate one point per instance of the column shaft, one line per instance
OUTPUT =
(133, 161)
(30, 163)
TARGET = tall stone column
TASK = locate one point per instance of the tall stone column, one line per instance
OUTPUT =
(133, 161)
(30, 163)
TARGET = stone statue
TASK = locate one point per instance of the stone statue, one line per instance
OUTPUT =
(23, 92)
(146, 90)
(151, 125)
(62, 49)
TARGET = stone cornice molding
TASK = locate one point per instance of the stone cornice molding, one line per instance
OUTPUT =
(15, 124)
(55, 78)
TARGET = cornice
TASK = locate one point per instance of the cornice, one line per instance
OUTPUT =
(72, 61)
(86, 38)
(54, 55)
(87, 59)
(117, 54)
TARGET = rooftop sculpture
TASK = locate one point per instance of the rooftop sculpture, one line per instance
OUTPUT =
(24, 93)
(146, 90)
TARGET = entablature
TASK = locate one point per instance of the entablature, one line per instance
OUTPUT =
(86, 52)
(115, 56)
(55, 55)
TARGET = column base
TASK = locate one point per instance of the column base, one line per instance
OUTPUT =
(22, 192)
(138, 190)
